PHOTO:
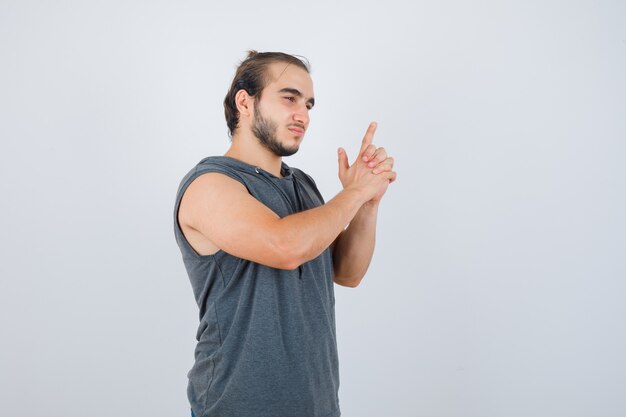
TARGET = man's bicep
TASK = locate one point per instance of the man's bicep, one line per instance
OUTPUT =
(222, 211)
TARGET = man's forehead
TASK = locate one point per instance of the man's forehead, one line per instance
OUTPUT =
(288, 75)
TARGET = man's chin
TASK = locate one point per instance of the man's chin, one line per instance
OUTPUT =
(284, 152)
(276, 147)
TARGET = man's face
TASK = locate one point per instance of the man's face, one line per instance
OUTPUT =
(281, 115)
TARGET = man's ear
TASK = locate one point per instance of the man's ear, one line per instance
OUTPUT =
(244, 101)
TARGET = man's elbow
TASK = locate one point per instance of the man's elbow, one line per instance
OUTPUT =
(287, 255)
(283, 260)
(289, 264)
(350, 282)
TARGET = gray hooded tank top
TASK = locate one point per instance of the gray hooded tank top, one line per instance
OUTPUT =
(266, 339)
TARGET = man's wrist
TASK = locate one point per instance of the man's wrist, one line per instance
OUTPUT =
(357, 193)
(370, 207)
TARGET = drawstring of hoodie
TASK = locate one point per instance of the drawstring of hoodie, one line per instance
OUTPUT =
(300, 207)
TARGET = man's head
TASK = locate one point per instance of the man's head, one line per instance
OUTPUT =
(271, 95)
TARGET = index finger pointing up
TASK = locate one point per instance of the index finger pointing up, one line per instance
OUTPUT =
(369, 137)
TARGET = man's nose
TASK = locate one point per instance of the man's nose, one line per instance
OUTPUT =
(301, 115)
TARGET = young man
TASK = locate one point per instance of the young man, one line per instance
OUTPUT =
(262, 251)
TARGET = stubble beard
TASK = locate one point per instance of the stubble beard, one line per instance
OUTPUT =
(265, 130)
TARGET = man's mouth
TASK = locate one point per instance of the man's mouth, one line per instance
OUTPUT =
(297, 130)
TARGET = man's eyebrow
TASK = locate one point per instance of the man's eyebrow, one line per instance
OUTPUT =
(296, 93)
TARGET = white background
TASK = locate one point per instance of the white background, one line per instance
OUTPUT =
(498, 284)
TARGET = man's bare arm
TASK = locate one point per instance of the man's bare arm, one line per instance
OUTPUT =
(222, 211)
(354, 247)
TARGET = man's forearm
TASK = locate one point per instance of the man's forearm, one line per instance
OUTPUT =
(355, 246)
(305, 235)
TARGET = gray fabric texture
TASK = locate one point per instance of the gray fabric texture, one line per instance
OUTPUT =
(266, 339)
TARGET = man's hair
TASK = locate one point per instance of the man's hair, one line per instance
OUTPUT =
(252, 76)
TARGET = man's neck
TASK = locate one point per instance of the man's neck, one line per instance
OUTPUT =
(247, 148)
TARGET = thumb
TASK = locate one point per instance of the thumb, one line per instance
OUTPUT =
(343, 161)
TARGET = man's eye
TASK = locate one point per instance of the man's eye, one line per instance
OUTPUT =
(292, 99)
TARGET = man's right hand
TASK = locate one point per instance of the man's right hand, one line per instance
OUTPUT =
(370, 178)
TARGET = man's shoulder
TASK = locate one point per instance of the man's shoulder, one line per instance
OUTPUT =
(223, 162)
(218, 164)
(213, 171)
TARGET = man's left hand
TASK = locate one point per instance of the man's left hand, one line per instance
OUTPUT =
(378, 159)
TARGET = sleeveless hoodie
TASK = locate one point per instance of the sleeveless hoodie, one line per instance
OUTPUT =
(266, 339)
